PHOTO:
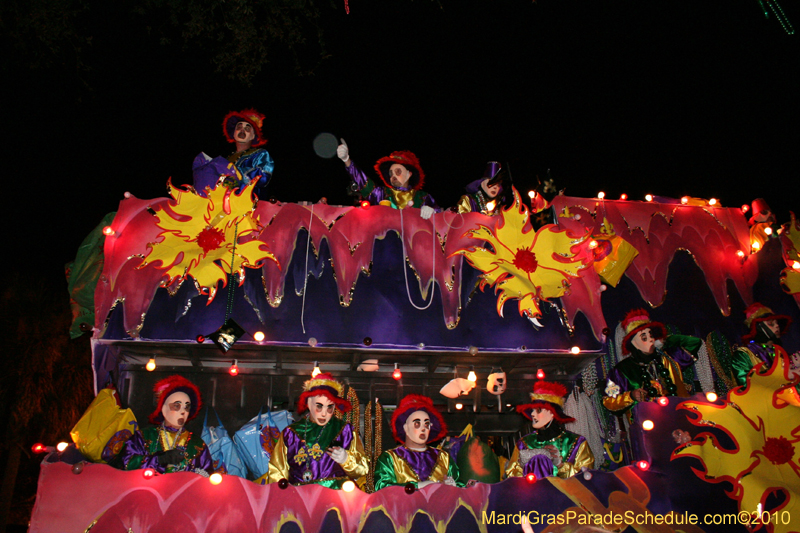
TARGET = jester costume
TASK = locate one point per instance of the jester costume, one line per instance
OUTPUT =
(758, 348)
(240, 168)
(658, 373)
(299, 455)
(402, 465)
(477, 200)
(145, 447)
(395, 197)
(530, 455)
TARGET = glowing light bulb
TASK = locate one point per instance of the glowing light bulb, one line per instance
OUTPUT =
(531, 194)
(215, 478)
(796, 265)
(756, 246)
(647, 425)
(259, 336)
(740, 253)
(711, 396)
(712, 201)
(234, 369)
(459, 406)
(575, 350)
(592, 244)
(540, 374)
(38, 448)
(151, 364)
(108, 231)
(531, 477)
(623, 196)
(601, 195)
(397, 374)
(663, 401)
(491, 205)
(745, 208)
(649, 197)
(348, 486)
(768, 231)
(471, 376)
(365, 204)
(685, 200)
(316, 371)
(147, 473)
(61, 446)
(643, 465)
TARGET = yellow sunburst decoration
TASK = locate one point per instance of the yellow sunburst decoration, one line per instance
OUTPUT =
(202, 237)
(763, 420)
(526, 265)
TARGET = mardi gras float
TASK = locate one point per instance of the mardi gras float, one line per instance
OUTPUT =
(243, 303)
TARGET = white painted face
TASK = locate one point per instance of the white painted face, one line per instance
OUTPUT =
(418, 429)
(541, 417)
(244, 132)
(320, 409)
(176, 409)
(644, 341)
(399, 175)
(774, 326)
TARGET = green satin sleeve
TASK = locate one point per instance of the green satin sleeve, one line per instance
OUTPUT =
(742, 361)
(384, 474)
(687, 342)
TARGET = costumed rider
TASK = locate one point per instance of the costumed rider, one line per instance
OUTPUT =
(167, 446)
(762, 341)
(486, 194)
(550, 450)
(402, 182)
(415, 423)
(319, 448)
(654, 365)
(247, 164)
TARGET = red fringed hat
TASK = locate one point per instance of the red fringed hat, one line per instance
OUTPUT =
(408, 160)
(634, 322)
(409, 405)
(167, 386)
(550, 396)
(756, 313)
(323, 385)
(252, 117)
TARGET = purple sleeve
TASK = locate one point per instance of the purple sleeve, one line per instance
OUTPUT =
(202, 461)
(430, 202)
(617, 377)
(135, 456)
(358, 175)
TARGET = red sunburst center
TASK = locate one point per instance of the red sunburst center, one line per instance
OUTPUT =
(526, 260)
(778, 450)
(210, 239)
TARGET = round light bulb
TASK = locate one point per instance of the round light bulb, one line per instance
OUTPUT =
(623, 196)
(459, 406)
(472, 377)
(540, 374)
(151, 364)
(108, 231)
(61, 446)
(713, 201)
(685, 200)
(491, 205)
(647, 425)
(756, 245)
(663, 401)
(711, 396)
(649, 197)
(348, 486)
(592, 244)
(740, 253)
(365, 204)
(316, 371)
(531, 194)
(259, 336)
(643, 465)
(147, 473)
(234, 369)
(601, 195)
(796, 265)
(575, 350)
(768, 231)
(397, 374)
(531, 477)
(215, 478)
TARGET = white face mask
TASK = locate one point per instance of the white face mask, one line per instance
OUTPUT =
(244, 132)
(644, 341)
(399, 176)
(320, 409)
(496, 384)
(176, 409)
(541, 417)
(418, 429)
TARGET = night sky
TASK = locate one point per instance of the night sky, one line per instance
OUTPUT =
(670, 97)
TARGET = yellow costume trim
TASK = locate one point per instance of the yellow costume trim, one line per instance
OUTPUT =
(401, 198)
(552, 398)
(311, 383)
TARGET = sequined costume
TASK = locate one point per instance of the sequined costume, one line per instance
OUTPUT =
(299, 455)
(759, 348)
(243, 168)
(658, 373)
(141, 450)
(397, 198)
(530, 456)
